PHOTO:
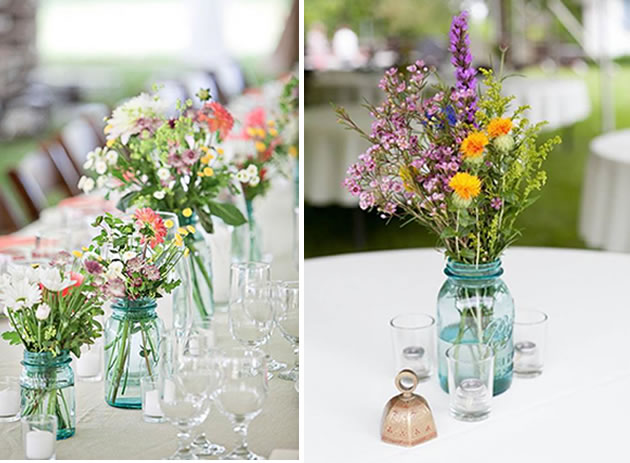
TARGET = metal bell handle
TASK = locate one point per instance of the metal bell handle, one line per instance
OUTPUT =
(407, 375)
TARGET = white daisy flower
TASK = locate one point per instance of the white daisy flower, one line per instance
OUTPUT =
(51, 279)
(243, 176)
(122, 124)
(42, 311)
(21, 293)
(254, 181)
(159, 194)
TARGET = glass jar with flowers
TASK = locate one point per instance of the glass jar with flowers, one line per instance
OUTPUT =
(172, 164)
(263, 149)
(132, 261)
(52, 311)
(455, 160)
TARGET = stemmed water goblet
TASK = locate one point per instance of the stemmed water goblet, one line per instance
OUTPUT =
(184, 392)
(287, 317)
(242, 394)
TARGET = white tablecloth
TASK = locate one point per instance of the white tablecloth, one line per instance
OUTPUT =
(575, 411)
(605, 211)
(561, 102)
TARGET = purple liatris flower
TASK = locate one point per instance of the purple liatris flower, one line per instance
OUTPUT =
(496, 203)
(462, 61)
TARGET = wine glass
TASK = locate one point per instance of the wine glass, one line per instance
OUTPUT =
(198, 354)
(184, 394)
(243, 274)
(288, 320)
(242, 394)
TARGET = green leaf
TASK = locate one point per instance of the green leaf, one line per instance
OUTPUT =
(12, 337)
(206, 220)
(229, 213)
(127, 200)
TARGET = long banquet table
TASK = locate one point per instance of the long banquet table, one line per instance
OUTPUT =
(576, 410)
(104, 432)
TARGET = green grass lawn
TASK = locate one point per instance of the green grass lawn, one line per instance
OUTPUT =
(552, 221)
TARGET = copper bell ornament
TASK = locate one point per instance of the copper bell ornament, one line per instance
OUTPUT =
(407, 419)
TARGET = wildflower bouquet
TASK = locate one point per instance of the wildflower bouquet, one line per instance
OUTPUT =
(266, 143)
(175, 165)
(132, 260)
(451, 158)
(52, 311)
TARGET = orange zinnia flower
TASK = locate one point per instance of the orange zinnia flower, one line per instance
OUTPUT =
(217, 117)
(499, 126)
(474, 144)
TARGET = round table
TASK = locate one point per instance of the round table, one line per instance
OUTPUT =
(575, 409)
(605, 209)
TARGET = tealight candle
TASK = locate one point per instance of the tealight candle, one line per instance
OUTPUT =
(525, 347)
(89, 364)
(221, 248)
(40, 445)
(9, 402)
(414, 359)
(152, 404)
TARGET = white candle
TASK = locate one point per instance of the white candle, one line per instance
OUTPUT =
(169, 391)
(40, 445)
(152, 404)
(89, 365)
(9, 402)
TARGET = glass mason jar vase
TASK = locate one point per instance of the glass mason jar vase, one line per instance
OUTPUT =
(247, 243)
(132, 336)
(199, 274)
(475, 306)
(47, 387)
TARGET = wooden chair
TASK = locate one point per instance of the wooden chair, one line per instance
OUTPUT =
(79, 138)
(63, 163)
(37, 181)
(9, 220)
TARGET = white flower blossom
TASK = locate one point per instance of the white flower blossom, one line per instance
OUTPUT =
(122, 124)
(163, 173)
(52, 280)
(115, 270)
(243, 176)
(20, 293)
(100, 166)
(86, 184)
(42, 311)
(144, 178)
(128, 255)
(254, 181)
(111, 157)
(159, 194)
(252, 170)
(101, 181)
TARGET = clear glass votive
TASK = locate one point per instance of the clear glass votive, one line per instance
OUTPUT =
(413, 339)
(530, 335)
(9, 399)
(151, 410)
(470, 379)
(39, 434)
(89, 367)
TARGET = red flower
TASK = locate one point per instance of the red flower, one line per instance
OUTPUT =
(255, 118)
(151, 226)
(78, 281)
(217, 117)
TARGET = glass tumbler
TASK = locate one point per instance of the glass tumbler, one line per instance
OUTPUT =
(413, 340)
(9, 399)
(39, 436)
(530, 334)
(470, 380)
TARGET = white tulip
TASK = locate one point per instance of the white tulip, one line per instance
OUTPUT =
(42, 311)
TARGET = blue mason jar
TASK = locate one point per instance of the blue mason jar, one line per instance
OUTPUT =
(475, 306)
(132, 336)
(47, 387)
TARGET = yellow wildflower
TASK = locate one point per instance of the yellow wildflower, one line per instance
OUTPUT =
(220, 150)
(273, 132)
(111, 142)
(108, 128)
(473, 145)
(251, 131)
(85, 249)
(208, 171)
(466, 188)
(200, 174)
(182, 231)
(186, 252)
(205, 149)
(168, 223)
(187, 212)
(499, 126)
(190, 228)
(260, 146)
(271, 123)
(78, 254)
(293, 151)
(260, 132)
(179, 242)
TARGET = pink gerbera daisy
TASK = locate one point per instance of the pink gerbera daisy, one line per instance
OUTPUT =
(151, 225)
